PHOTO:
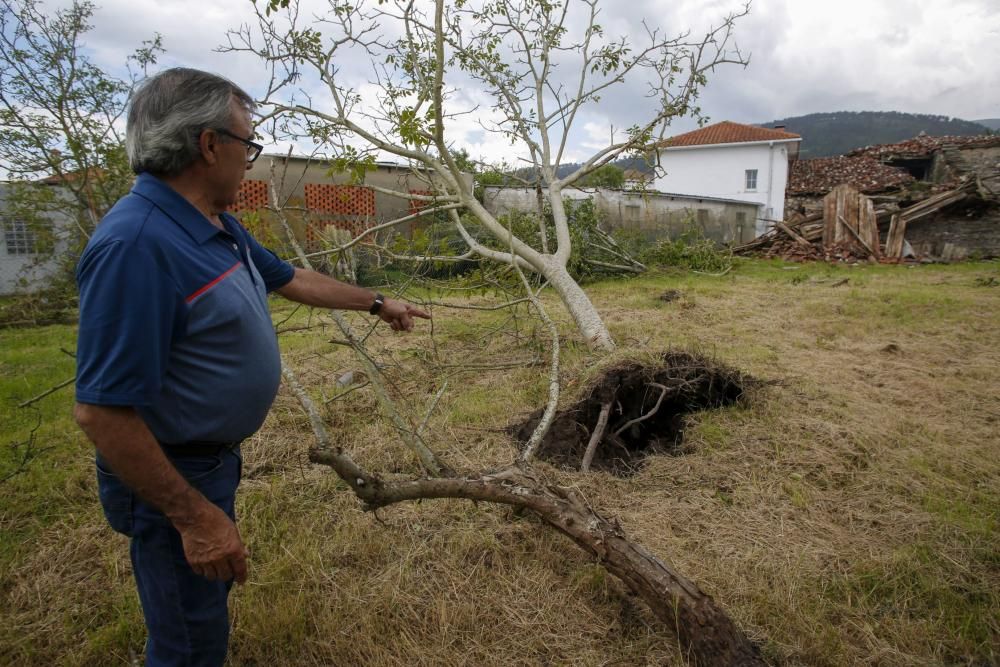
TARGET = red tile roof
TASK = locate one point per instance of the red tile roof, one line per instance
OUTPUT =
(727, 132)
(72, 176)
(822, 174)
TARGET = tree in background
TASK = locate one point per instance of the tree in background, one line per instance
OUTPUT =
(608, 176)
(540, 64)
(61, 119)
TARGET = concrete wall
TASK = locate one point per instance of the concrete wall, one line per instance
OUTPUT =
(653, 215)
(301, 171)
(720, 171)
(24, 273)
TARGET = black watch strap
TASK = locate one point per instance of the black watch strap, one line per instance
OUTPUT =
(377, 306)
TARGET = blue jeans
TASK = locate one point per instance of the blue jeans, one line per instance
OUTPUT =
(187, 615)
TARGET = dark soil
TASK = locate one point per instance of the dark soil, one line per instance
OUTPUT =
(692, 383)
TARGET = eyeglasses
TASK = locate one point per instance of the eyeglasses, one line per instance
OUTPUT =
(253, 148)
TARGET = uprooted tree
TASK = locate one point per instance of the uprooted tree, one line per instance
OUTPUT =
(707, 634)
(541, 66)
(515, 52)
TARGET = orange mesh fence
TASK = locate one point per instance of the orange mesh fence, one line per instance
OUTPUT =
(251, 197)
(340, 199)
(349, 207)
(417, 204)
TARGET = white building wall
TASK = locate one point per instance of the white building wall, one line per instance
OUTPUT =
(719, 170)
(23, 273)
(26, 273)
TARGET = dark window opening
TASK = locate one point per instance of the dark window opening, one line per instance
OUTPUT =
(919, 168)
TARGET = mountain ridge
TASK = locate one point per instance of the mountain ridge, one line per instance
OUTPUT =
(838, 132)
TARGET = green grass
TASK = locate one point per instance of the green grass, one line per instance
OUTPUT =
(846, 514)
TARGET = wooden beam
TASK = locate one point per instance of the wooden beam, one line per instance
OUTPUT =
(894, 241)
(788, 230)
(858, 238)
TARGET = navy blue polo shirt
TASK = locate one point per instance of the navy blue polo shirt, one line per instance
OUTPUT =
(174, 319)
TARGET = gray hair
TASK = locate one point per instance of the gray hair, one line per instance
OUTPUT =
(168, 113)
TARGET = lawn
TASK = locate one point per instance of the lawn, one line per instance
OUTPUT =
(845, 513)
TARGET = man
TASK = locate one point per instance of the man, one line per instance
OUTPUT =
(177, 359)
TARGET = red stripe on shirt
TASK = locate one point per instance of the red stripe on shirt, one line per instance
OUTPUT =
(210, 285)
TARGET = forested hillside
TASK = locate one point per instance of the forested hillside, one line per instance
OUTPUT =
(835, 133)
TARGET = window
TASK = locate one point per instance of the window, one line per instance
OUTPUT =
(703, 217)
(751, 180)
(20, 239)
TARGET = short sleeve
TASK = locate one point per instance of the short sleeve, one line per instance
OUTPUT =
(275, 271)
(129, 315)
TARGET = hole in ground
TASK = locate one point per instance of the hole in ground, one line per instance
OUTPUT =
(681, 383)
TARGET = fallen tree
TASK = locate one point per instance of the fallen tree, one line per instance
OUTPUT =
(706, 633)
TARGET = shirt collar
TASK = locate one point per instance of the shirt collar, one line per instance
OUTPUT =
(177, 208)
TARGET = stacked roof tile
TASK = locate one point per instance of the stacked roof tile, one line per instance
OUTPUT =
(822, 174)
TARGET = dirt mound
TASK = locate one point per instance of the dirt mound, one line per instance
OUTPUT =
(648, 408)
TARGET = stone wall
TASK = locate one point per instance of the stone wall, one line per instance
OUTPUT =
(954, 234)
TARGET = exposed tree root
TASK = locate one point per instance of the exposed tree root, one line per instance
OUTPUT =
(705, 631)
(596, 437)
(648, 414)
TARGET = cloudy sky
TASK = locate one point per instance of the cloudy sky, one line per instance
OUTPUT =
(921, 56)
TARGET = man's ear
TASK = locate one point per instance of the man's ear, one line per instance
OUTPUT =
(208, 144)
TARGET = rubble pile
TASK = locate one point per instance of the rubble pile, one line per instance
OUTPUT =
(850, 228)
(856, 207)
(792, 251)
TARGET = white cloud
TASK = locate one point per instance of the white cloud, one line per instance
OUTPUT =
(923, 56)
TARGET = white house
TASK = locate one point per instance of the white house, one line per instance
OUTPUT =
(25, 263)
(731, 161)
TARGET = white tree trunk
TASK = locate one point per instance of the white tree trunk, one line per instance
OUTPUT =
(588, 321)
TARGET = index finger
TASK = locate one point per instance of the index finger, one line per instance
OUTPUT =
(416, 312)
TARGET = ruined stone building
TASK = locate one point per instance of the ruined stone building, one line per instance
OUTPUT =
(896, 176)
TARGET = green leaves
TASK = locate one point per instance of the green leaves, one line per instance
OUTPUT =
(608, 176)
(354, 163)
(413, 128)
(273, 6)
(309, 42)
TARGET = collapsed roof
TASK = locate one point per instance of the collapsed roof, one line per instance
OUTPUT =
(822, 174)
(923, 146)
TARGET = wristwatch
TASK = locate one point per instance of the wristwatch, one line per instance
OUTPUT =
(377, 306)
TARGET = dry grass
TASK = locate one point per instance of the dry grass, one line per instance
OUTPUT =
(848, 515)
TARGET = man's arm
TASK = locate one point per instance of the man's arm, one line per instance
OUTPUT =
(212, 544)
(315, 289)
